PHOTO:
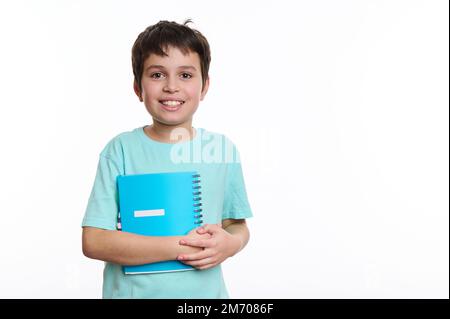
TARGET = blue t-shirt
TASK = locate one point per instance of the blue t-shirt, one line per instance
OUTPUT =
(224, 196)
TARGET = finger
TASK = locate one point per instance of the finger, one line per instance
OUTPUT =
(196, 256)
(202, 243)
(200, 263)
(211, 228)
(201, 230)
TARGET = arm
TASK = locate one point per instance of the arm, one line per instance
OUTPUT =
(130, 249)
(239, 229)
(226, 240)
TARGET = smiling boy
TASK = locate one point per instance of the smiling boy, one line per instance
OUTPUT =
(170, 65)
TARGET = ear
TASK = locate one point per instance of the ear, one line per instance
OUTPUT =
(137, 90)
(205, 89)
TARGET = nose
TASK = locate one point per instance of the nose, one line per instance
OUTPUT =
(171, 86)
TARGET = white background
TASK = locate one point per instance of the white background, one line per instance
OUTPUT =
(339, 109)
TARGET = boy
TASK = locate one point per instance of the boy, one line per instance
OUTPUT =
(170, 65)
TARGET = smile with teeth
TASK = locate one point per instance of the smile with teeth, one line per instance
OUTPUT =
(172, 103)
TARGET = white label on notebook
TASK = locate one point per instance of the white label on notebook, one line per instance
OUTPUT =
(149, 213)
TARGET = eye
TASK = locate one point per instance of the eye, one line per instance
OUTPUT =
(186, 75)
(156, 75)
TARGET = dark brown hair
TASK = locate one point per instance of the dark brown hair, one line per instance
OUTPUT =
(155, 38)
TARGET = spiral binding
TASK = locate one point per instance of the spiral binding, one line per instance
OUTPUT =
(197, 198)
(119, 222)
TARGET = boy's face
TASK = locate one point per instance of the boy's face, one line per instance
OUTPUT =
(172, 87)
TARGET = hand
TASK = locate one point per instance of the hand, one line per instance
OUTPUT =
(194, 235)
(215, 249)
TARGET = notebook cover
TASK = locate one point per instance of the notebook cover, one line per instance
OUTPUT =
(160, 204)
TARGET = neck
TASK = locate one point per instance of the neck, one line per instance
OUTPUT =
(170, 133)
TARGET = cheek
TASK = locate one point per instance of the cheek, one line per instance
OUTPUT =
(149, 93)
(194, 92)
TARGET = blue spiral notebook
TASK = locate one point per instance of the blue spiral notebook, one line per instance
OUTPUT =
(160, 204)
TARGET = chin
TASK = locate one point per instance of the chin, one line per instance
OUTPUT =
(169, 122)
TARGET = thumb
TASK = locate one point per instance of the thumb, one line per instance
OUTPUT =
(211, 228)
(202, 229)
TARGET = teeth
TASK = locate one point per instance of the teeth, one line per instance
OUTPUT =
(172, 103)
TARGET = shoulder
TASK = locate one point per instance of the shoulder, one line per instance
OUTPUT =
(115, 147)
(216, 136)
(228, 147)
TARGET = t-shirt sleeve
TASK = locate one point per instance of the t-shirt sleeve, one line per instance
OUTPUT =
(236, 205)
(102, 208)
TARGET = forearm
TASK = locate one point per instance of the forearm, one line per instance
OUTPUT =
(239, 231)
(129, 249)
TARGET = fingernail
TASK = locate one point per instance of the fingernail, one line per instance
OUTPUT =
(180, 257)
(182, 242)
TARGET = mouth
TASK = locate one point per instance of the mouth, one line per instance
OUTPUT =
(171, 105)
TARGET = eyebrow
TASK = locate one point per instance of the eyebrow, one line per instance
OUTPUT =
(157, 66)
